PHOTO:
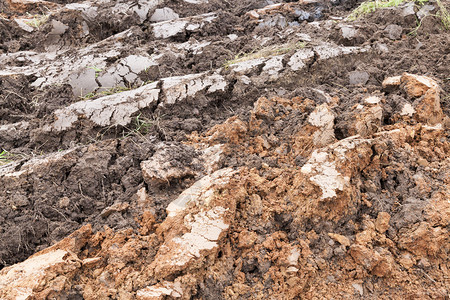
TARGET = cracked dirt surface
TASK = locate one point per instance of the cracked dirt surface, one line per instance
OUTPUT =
(205, 149)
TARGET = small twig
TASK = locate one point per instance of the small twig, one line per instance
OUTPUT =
(81, 191)
(428, 276)
(59, 213)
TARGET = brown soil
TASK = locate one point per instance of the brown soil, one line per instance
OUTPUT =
(339, 180)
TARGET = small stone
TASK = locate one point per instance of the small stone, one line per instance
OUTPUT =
(163, 14)
(322, 116)
(246, 67)
(58, 28)
(232, 37)
(425, 10)
(302, 15)
(371, 260)
(85, 28)
(407, 110)
(382, 222)
(422, 162)
(21, 200)
(383, 48)
(359, 288)
(406, 260)
(339, 251)
(408, 10)
(273, 66)
(304, 37)
(179, 88)
(293, 281)
(372, 100)
(383, 268)
(340, 239)
(293, 258)
(362, 255)
(394, 32)
(348, 32)
(358, 77)
(247, 239)
(64, 202)
(24, 25)
(163, 30)
(424, 263)
(327, 50)
(391, 82)
(419, 45)
(253, 14)
(365, 237)
(263, 108)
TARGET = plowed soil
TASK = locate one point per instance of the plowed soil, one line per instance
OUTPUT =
(314, 150)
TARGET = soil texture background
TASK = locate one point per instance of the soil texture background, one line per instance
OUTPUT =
(206, 149)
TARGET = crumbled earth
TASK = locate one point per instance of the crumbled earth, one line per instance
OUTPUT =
(204, 149)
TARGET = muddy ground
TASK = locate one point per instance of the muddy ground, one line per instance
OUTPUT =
(204, 149)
